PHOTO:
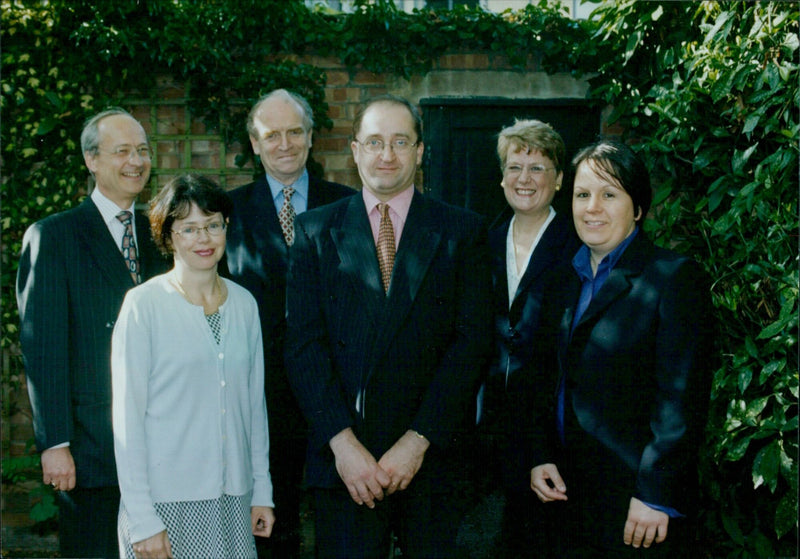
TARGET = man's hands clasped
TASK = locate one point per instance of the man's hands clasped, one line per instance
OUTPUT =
(368, 480)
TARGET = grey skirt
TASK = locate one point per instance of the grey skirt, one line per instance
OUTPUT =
(211, 529)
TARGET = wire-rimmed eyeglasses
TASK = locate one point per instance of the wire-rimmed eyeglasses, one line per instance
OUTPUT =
(375, 146)
(192, 232)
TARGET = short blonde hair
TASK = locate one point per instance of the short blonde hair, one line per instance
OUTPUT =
(531, 135)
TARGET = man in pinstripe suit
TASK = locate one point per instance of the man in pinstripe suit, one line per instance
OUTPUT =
(70, 285)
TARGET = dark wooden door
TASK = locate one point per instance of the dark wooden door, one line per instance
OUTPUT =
(461, 165)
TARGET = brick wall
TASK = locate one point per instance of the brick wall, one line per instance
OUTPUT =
(183, 144)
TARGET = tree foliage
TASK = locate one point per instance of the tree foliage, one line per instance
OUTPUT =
(706, 91)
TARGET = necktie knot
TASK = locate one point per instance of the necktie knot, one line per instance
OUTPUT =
(125, 217)
(286, 215)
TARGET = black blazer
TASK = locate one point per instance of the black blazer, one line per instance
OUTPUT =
(71, 281)
(513, 390)
(383, 364)
(637, 376)
(256, 257)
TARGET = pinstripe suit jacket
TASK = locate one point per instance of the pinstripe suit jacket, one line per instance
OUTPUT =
(70, 285)
(382, 364)
(256, 257)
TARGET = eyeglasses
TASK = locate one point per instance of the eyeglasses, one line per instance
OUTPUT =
(191, 232)
(375, 146)
(126, 152)
(534, 170)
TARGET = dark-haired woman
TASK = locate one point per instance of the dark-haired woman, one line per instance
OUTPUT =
(631, 375)
(189, 416)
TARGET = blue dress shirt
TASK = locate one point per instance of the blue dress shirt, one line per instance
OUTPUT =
(299, 198)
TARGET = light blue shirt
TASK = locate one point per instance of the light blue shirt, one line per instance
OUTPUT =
(299, 198)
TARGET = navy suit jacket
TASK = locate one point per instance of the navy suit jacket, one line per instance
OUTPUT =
(71, 281)
(637, 371)
(256, 257)
(383, 364)
(513, 390)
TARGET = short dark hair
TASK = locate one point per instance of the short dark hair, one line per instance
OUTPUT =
(619, 162)
(175, 200)
(392, 100)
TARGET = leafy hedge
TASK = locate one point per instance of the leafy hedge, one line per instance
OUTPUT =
(709, 93)
(706, 91)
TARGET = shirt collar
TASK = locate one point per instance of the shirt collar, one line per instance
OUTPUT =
(107, 208)
(400, 204)
(300, 186)
(583, 265)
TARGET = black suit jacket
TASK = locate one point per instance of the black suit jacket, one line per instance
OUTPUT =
(637, 375)
(513, 390)
(382, 364)
(71, 281)
(256, 257)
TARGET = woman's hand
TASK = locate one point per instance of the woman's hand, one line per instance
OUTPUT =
(546, 482)
(154, 547)
(262, 519)
(644, 525)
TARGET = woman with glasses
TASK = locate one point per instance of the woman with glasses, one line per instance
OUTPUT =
(525, 245)
(189, 415)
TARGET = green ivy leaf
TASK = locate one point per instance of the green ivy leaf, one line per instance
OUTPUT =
(745, 376)
(732, 528)
(766, 466)
(786, 514)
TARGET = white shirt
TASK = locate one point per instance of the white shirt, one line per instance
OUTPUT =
(189, 416)
(511, 259)
(109, 211)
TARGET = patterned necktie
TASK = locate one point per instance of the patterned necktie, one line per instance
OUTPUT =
(129, 245)
(385, 245)
(286, 215)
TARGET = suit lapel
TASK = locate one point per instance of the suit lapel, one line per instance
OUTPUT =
(414, 253)
(95, 236)
(356, 250)
(418, 246)
(618, 283)
(317, 193)
(616, 286)
(497, 246)
(545, 255)
(150, 259)
(262, 221)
